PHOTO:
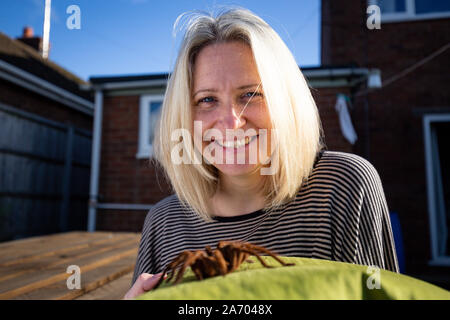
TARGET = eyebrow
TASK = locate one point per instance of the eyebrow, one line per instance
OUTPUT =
(215, 90)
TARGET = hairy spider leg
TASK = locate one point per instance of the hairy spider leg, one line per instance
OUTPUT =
(208, 267)
(185, 255)
(256, 248)
(227, 254)
(232, 254)
(227, 249)
(242, 257)
(238, 258)
(209, 251)
(189, 261)
(203, 266)
(254, 253)
(273, 255)
(221, 262)
(223, 244)
(170, 268)
(196, 268)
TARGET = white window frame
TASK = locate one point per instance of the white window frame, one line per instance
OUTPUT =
(409, 14)
(145, 149)
(428, 119)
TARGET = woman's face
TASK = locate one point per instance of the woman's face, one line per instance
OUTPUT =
(227, 98)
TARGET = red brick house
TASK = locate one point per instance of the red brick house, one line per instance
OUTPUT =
(45, 142)
(400, 127)
(404, 126)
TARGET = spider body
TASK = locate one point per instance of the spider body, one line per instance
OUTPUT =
(207, 263)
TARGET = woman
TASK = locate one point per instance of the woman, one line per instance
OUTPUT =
(236, 92)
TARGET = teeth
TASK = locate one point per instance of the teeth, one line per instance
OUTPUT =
(234, 144)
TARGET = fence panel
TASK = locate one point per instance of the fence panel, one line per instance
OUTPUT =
(44, 175)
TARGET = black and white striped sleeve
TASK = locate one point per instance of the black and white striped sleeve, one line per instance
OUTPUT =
(375, 243)
(144, 257)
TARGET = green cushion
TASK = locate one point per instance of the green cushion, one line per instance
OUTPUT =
(308, 279)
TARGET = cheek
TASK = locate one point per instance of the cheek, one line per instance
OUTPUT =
(206, 119)
(203, 116)
(261, 117)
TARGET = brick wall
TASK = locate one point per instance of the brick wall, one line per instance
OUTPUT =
(325, 100)
(121, 220)
(395, 142)
(25, 100)
(123, 177)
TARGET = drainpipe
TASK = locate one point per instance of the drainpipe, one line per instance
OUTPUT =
(95, 160)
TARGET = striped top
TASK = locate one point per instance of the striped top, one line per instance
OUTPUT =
(340, 214)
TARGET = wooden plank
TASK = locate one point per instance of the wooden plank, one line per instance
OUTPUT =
(16, 248)
(42, 247)
(90, 280)
(35, 280)
(50, 245)
(47, 238)
(62, 252)
(114, 290)
(94, 248)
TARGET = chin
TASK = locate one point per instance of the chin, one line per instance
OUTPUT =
(236, 169)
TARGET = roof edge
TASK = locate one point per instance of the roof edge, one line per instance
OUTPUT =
(33, 83)
(142, 80)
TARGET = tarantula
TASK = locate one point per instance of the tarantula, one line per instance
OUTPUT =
(210, 263)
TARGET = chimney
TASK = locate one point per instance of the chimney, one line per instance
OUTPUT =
(28, 32)
(29, 39)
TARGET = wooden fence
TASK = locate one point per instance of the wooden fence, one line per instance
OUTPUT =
(44, 175)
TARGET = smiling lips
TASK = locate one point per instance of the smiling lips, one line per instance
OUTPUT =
(236, 144)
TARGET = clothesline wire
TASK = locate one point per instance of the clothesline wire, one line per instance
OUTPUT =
(407, 70)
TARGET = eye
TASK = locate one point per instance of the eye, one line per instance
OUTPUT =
(206, 100)
(252, 94)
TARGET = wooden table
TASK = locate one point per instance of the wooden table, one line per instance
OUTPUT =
(36, 268)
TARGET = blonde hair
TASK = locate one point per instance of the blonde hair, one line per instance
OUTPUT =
(292, 110)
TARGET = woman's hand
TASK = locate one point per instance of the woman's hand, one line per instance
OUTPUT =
(145, 282)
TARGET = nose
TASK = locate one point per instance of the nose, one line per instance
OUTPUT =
(231, 117)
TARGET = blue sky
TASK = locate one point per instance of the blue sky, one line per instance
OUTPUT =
(121, 37)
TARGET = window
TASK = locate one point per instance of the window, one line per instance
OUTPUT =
(437, 156)
(392, 6)
(150, 106)
(403, 10)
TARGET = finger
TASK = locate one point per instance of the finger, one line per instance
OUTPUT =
(138, 286)
(151, 282)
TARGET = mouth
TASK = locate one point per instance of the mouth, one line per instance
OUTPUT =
(236, 144)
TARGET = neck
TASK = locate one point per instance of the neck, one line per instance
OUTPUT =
(237, 195)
